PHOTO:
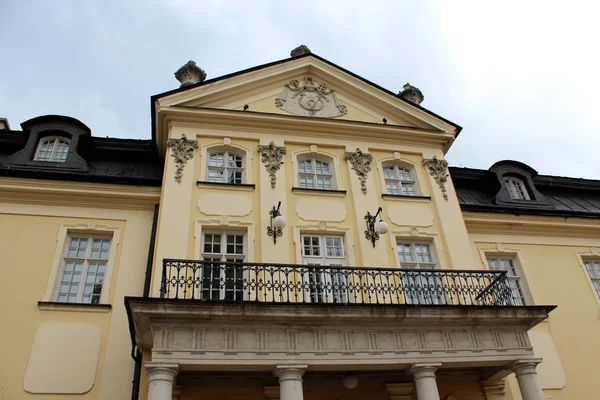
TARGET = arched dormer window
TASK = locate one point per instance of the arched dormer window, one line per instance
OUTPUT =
(400, 179)
(52, 148)
(316, 173)
(516, 188)
(225, 166)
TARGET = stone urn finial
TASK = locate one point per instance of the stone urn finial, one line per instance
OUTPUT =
(190, 74)
(300, 51)
(412, 94)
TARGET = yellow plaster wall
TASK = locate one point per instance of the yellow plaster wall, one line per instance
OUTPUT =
(28, 241)
(554, 275)
(247, 209)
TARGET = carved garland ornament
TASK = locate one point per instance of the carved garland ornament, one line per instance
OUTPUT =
(272, 157)
(361, 163)
(182, 150)
(438, 169)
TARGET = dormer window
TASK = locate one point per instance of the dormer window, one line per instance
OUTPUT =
(516, 188)
(53, 149)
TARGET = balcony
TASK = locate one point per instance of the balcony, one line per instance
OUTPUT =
(233, 316)
(230, 282)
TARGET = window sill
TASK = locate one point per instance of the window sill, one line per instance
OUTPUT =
(82, 307)
(401, 197)
(320, 192)
(248, 187)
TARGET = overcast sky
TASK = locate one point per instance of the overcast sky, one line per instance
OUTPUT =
(522, 78)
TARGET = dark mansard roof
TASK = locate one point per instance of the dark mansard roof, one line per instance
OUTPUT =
(90, 159)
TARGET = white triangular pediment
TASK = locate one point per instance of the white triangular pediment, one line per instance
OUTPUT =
(309, 87)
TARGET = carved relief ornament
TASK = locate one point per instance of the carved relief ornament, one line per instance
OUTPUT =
(438, 169)
(182, 150)
(361, 163)
(310, 99)
(272, 157)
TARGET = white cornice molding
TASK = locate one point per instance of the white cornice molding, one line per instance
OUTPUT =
(52, 192)
(504, 224)
(298, 126)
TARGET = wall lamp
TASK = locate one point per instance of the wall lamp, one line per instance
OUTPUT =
(278, 222)
(375, 228)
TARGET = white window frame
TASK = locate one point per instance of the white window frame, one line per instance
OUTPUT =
(86, 261)
(593, 280)
(314, 174)
(317, 277)
(222, 256)
(92, 227)
(516, 188)
(399, 179)
(516, 277)
(226, 168)
(53, 154)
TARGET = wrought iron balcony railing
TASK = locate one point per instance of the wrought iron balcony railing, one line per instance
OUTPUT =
(219, 281)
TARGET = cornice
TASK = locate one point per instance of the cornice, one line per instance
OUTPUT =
(301, 126)
(493, 223)
(37, 191)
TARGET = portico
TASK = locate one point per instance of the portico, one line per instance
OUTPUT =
(281, 344)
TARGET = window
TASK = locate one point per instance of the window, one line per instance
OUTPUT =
(593, 270)
(53, 148)
(223, 281)
(225, 167)
(516, 188)
(515, 282)
(83, 269)
(415, 255)
(315, 174)
(325, 285)
(419, 287)
(399, 180)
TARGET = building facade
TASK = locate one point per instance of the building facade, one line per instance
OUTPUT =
(290, 231)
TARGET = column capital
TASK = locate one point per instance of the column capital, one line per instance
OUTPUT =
(290, 372)
(423, 370)
(161, 371)
(526, 366)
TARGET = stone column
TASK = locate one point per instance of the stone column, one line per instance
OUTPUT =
(528, 379)
(493, 390)
(425, 382)
(161, 377)
(290, 381)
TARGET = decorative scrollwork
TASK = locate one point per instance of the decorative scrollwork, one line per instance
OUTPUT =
(281, 283)
(182, 150)
(438, 169)
(272, 157)
(361, 163)
(310, 99)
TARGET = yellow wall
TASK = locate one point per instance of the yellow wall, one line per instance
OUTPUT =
(550, 262)
(28, 244)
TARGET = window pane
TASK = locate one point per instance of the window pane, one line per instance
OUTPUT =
(322, 167)
(215, 175)
(216, 160)
(388, 173)
(404, 252)
(392, 187)
(324, 183)
(234, 161)
(405, 174)
(305, 166)
(306, 181)
(408, 189)
(62, 149)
